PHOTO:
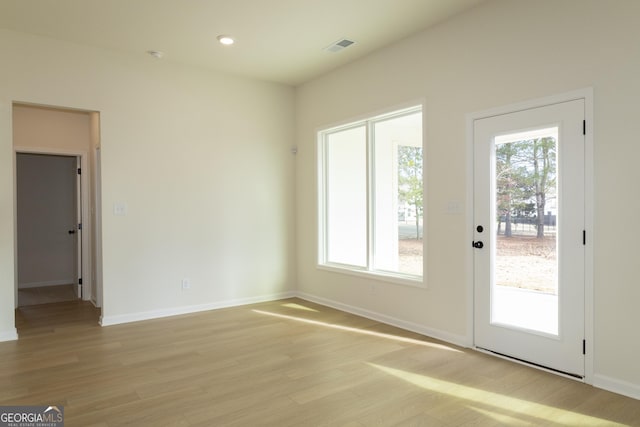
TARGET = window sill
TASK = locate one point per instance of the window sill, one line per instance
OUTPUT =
(395, 278)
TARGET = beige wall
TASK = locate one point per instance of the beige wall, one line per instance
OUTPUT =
(202, 160)
(50, 129)
(499, 53)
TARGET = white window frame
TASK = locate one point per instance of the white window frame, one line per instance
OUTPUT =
(367, 271)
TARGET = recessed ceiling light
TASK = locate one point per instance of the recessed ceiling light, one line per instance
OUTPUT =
(226, 40)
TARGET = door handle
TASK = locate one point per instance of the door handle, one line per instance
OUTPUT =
(478, 244)
(72, 231)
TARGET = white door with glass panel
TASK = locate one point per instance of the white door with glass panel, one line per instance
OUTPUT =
(529, 216)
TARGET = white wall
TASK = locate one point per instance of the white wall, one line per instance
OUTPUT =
(201, 160)
(7, 256)
(499, 53)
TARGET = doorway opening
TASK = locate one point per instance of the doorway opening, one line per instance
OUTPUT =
(49, 228)
(57, 214)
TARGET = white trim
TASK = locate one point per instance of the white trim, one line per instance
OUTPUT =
(381, 276)
(9, 335)
(176, 311)
(50, 151)
(589, 224)
(448, 337)
(587, 95)
(530, 365)
(46, 283)
(617, 386)
(97, 226)
(321, 185)
(374, 114)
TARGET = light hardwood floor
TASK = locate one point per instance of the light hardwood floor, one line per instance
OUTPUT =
(282, 363)
(45, 295)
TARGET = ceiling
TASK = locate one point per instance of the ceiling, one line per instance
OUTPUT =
(276, 40)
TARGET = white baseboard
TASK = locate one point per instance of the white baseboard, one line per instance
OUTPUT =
(175, 311)
(9, 335)
(448, 337)
(46, 283)
(617, 386)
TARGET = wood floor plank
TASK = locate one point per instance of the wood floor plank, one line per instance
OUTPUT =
(280, 363)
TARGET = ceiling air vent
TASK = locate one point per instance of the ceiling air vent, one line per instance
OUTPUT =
(339, 45)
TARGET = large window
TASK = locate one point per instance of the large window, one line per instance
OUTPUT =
(371, 195)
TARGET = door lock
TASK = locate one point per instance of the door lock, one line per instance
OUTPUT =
(478, 244)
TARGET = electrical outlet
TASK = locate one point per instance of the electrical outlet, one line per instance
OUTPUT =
(186, 284)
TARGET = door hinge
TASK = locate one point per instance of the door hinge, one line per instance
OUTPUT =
(80, 281)
(584, 346)
(584, 127)
(79, 171)
(584, 237)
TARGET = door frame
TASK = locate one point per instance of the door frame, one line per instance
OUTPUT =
(85, 219)
(587, 95)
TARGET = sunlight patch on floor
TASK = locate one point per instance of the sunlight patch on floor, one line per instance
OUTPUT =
(503, 405)
(499, 417)
(359, 331)
(299, 307)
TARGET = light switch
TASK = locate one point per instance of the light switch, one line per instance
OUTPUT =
(119, 208)
(454, 207)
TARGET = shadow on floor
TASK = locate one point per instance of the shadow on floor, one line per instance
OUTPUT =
(45, 295)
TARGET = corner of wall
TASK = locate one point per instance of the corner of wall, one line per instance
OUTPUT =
(176, 311)
(616, 385)
(9, 335)
(459, 340)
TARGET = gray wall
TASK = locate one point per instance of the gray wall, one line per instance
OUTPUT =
(46, 207)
